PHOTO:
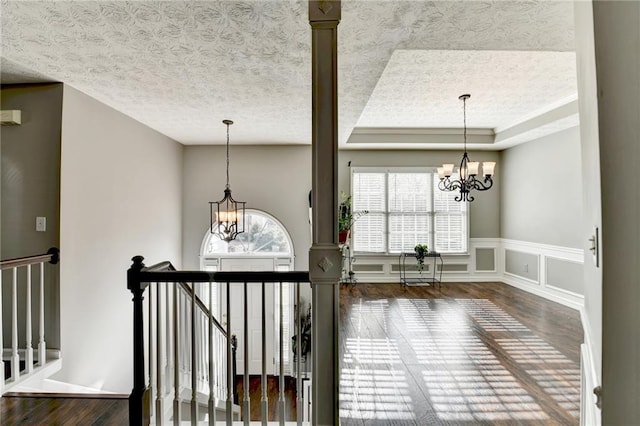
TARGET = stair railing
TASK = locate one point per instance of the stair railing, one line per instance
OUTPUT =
(23, 267)
(197, 347)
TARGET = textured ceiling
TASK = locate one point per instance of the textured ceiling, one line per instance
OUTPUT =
(181, 67)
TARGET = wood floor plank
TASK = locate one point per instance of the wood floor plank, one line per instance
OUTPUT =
(465, 354)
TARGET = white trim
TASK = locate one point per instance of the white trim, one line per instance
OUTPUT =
(566, 298)
(590, 415)
(499, 245)
(541, 287)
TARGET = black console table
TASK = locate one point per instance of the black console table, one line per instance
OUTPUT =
(421, 278)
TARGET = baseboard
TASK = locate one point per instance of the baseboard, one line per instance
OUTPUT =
(64, 395)
(589, 412)
(565, 298)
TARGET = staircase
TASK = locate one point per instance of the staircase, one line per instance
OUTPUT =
(184, 359)
(22, 364)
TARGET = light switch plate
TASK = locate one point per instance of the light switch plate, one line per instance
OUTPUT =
(41, 224)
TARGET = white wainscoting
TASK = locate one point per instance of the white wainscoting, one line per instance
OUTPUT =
(466, 268)
(540, 286)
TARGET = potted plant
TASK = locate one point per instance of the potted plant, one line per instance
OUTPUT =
(346, 218)
(421, 250)
(304, 343)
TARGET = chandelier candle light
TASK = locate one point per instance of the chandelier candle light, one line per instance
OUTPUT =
(468, 171)
(228, 213)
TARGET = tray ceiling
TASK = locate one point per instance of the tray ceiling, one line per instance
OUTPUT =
(181, 67)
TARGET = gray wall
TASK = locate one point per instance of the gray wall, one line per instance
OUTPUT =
(277, 179)
(120, 196)
(565, 274)
(521, 264)
(541, 191)
(617, 54)
(30, 155)
(484, 217)
(274, 179)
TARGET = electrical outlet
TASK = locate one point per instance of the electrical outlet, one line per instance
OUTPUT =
(41, 224)
(526, 268)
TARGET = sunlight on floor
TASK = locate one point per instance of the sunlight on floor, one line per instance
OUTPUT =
(453, 350)
(371, 351)
(490, 393)
(374, 394)
(490, 317)
(532, 350)
(465, 380)
(562, 383)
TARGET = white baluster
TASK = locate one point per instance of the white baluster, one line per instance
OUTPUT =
(28, 354)
(159, 358)
(212, 378)
(194, 360)
(168, 353)
(150, 350)
(42, 345)
(281, 402)
(15, 357)
(230, 379)
(176, 357)
(298, 328)
(246, 410)
(1, 340)
(263, 379)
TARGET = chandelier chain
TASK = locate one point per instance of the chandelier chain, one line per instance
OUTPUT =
(464, 114)
(228, 124)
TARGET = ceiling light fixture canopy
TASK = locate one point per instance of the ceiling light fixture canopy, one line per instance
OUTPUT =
(468, 170)
(227, 215)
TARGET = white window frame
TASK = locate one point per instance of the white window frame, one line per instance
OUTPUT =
(388, 214)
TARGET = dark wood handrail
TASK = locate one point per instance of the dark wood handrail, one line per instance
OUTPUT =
(140, 276)
(52, 256)
(169, 276)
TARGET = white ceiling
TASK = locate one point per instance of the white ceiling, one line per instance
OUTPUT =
(182, 66)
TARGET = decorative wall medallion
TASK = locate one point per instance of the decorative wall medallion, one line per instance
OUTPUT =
(325, 264)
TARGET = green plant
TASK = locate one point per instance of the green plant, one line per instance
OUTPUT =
(421, 250)
(346, 218)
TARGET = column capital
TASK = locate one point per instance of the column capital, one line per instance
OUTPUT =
(323, 11)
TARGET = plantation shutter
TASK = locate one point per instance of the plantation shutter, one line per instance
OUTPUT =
(409, 210)
(406, 208)
(450, 221)
(368, 232)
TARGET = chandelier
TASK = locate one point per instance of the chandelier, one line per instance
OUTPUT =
(228, 213)
(468, 170)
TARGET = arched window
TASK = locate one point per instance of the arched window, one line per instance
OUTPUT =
(264, 235)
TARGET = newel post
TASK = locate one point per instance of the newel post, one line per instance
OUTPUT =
(139, 408)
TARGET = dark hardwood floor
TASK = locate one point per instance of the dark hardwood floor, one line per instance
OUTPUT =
(48, 410)
(465, 354)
